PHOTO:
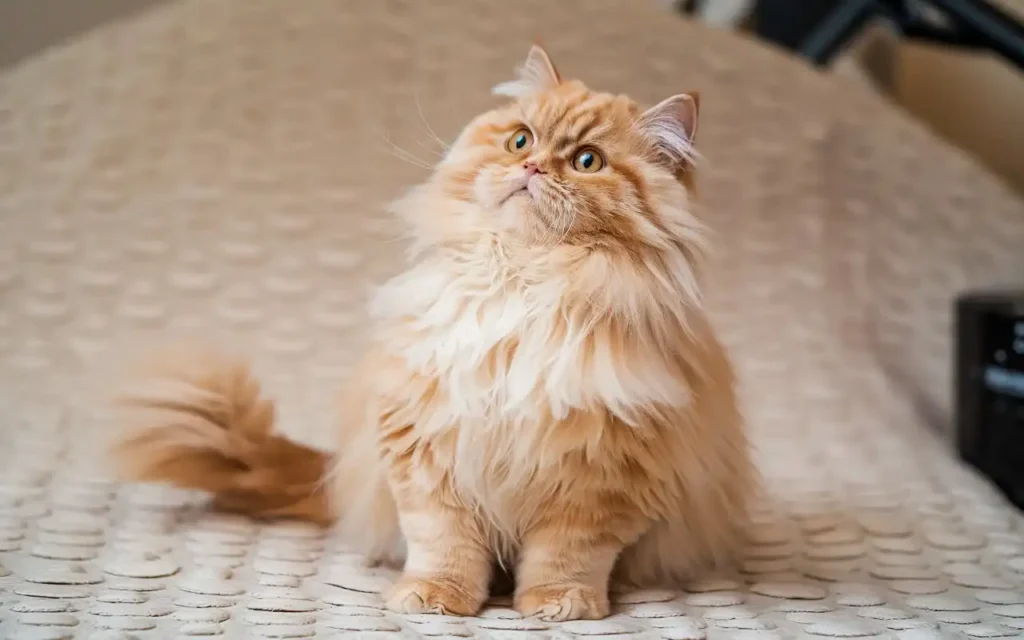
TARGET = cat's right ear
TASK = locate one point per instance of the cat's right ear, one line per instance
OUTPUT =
(537, 73)
(672, 125)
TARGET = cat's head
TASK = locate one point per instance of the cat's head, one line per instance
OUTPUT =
(560, 164)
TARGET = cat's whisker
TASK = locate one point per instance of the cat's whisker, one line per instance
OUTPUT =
(405, 158)
(412, 162)
(429, 149)
(430, 130)
(402, 154)
(406, 155)
(564, 210)
(568, 227)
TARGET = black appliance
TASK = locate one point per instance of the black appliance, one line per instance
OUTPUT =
(990, 387)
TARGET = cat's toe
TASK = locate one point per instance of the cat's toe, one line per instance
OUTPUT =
(431, 595)
(558, 603)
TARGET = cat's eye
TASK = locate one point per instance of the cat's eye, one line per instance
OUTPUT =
(519, 141)
(588, 160)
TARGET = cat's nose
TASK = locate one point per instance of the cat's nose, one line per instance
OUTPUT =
(532, 168)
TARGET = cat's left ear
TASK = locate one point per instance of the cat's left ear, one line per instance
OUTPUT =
(537, 73)
(672, 126)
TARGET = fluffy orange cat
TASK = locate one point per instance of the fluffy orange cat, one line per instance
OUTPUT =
(544, 390)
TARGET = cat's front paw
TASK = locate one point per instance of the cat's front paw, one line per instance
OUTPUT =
(561, 602)
(439, 594)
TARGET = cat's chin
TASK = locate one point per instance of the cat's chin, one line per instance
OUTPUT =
(520, 217)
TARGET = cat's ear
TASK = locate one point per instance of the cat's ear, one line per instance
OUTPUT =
(537, 73)
(672, 126)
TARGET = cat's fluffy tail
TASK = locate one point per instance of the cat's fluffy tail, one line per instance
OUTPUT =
(198, 421)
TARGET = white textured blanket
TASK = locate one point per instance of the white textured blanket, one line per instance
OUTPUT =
(219, 167)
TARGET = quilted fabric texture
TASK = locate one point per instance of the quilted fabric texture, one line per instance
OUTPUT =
(220, 169)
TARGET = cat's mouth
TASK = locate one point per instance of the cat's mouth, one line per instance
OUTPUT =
(517, 187)
(523, 191)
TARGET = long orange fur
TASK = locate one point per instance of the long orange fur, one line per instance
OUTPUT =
(544, 390)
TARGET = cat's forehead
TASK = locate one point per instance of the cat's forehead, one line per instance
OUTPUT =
(572, 106)
(572, 98)
(566, 115)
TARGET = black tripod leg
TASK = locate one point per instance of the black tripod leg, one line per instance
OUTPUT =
(829, 35)
(995, 29)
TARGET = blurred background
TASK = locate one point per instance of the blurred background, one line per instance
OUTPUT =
(952, 82)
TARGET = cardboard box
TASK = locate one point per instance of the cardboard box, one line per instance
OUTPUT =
(973, 99)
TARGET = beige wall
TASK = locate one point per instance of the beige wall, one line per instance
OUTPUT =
(27, 26)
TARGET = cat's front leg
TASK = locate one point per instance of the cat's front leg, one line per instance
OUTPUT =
(567, 560)
(448, 564)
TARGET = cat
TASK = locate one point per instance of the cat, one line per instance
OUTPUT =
(544, 390)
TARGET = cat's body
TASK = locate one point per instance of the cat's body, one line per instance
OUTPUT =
(544, 390)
